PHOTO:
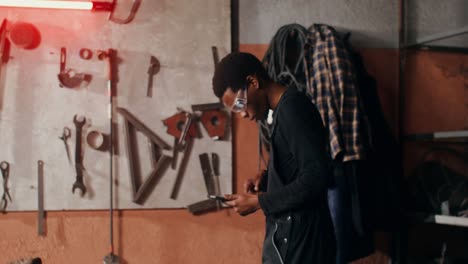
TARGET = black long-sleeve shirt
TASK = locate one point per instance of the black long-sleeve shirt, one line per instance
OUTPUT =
(298, 225)
(300, 158)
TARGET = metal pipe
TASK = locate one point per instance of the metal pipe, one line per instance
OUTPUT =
(76, 5)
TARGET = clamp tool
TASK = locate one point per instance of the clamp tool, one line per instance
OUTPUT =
(40, 199)
(183, 129)
(153, 69)
(213, 119)
(5, 168)
(69, 77)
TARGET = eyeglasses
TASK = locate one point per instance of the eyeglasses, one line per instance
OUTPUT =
(240, 102)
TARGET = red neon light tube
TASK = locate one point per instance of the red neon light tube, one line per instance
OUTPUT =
(55, 4)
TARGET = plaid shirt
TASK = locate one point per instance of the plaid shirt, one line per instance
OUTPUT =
(332, 84)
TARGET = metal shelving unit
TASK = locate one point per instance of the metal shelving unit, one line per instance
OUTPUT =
(439, 137)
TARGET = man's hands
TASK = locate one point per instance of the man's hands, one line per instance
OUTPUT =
(252, 185)
(244, 204)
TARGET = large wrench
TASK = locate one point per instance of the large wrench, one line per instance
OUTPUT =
(78, 157)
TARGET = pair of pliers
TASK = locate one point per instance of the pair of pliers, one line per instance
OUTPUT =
(5, 168)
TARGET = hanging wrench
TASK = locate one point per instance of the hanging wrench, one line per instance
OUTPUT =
(66, 134)
(78, 157)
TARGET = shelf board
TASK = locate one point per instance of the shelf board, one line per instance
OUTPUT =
(438, 48)
(448, 220)
(460, 136)
(418, 218)
(440, 36)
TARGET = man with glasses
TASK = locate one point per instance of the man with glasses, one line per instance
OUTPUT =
(292, 193)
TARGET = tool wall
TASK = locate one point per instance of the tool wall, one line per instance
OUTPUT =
(55, 76)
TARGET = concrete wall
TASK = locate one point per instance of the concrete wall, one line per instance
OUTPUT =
(373, 23)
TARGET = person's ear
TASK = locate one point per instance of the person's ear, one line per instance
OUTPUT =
(252, 80)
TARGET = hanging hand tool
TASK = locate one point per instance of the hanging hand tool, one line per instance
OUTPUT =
(207, 173)
(112, 71)
(153, 69)
(4, 43)
(188, 126)
(40, 198)
(181, 127)
(204, 206)
(159, 167)
(187, 150)
(98, 140)
(211, 174)
(215, 163)
(214, 50)
(5, 168)
(159, 161)
(68, 77)
(79, 157)
(213, 119)
(215, 166)
(175, 154)
(66, 134)
(136, 4)
(181, 143)
(4, 57)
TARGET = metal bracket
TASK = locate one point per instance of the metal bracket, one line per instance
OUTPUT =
(160, 162)
(213, 118)
(207, 173)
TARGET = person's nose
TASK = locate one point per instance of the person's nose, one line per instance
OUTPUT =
(245, 114)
